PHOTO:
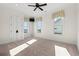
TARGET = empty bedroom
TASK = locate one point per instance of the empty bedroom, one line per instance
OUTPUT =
(39, 29)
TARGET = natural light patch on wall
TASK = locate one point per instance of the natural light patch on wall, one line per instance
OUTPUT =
(61, 51)
(18, 49)
(31, 41)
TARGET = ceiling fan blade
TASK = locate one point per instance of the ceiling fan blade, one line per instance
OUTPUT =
(32, 5)
(41, 9)
(43, 4)
(35, 8)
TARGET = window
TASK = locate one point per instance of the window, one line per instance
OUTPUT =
(58, 25)
(58, 21)
(26, 26)
(39, 24)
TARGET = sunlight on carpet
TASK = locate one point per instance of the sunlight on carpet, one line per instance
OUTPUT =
(18, 49)
(61, 51)
(31, 41)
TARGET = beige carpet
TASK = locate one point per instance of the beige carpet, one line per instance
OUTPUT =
(42, 47)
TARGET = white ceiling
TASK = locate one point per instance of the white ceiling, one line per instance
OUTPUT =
(23, 7)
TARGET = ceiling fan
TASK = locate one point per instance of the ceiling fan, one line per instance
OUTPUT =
(37, 5)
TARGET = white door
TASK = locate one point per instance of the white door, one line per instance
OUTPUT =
(12, 28)
(31, 28)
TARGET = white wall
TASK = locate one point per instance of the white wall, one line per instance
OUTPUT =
(31, 28)
(6, 27)
(10, 21)
(78, 26)
(69, 26)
